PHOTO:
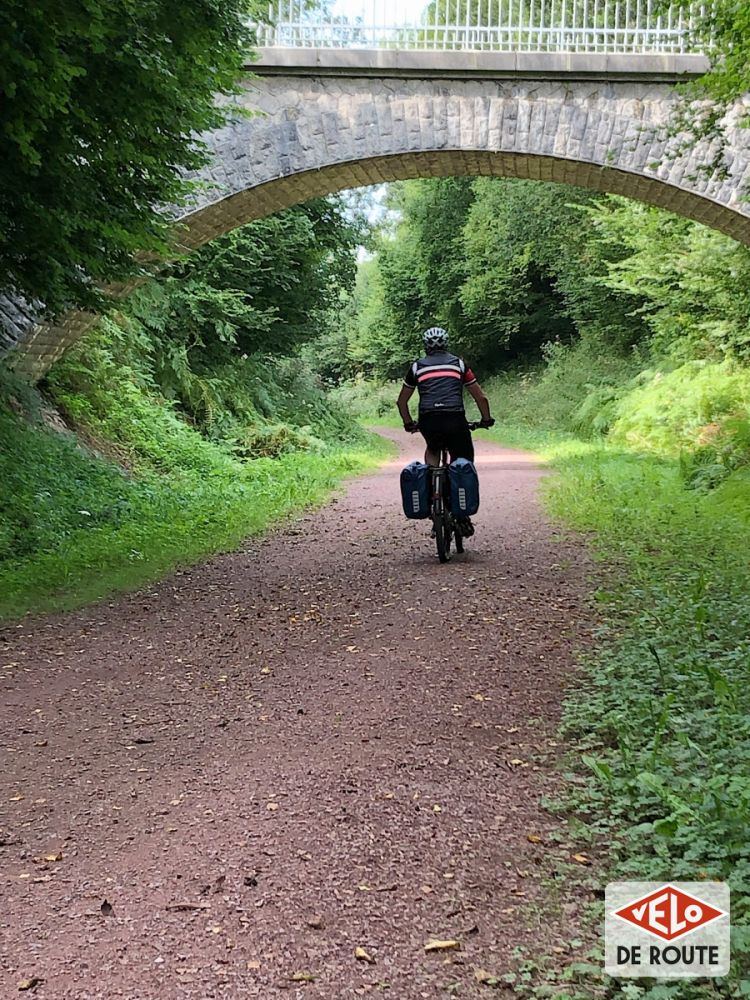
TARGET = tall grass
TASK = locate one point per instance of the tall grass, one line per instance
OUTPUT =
(139, 491)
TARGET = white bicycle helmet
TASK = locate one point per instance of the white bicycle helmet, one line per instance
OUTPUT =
(435, 339)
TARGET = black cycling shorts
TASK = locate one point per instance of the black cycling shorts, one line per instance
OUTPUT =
(447, 430)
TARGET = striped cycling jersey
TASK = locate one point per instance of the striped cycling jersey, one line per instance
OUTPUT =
(440, 379)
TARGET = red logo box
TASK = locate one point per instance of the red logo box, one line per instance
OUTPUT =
(669, 913)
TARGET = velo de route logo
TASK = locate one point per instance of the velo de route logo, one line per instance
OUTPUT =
(667, 930)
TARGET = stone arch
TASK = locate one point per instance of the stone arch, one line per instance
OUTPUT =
(317, 135)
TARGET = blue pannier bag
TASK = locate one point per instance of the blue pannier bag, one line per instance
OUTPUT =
(464, 487)
(415, 490)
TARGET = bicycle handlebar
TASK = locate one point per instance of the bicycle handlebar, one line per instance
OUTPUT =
(474, 425)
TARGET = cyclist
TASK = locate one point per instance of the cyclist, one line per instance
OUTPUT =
(440, 378)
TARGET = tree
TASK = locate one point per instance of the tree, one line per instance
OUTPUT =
(267, 287)
(102, 104)
(692, 283)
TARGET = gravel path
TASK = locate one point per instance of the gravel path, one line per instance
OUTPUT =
(323, 742)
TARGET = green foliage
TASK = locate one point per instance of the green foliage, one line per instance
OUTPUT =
(368, 400)
(77, 525)
(694, 283)
(575, 390)
(698, 412)
(661, 720)
(102, 105)
(196, 423)
(269, 285)
(501, 263)
(690, 408)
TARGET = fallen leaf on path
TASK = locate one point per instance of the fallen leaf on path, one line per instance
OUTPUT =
(486, 978)
(439, 944)
(533, 838)
(362, 956)
(253, 964)
(57, 856)
(581, 859)
(30, 984)
(302, 977)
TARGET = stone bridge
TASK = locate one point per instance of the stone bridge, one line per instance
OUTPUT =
(335, 119)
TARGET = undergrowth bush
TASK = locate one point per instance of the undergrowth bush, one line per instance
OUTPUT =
(142, 485)
(575, 389)
(696, 405)
(698, 412)
(367, 399)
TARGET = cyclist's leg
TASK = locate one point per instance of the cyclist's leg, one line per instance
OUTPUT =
(458, 438)
(460, 445)
(429, 425)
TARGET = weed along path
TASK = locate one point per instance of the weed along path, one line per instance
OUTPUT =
(287, 770)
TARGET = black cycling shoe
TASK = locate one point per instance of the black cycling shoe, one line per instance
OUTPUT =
(465, 526)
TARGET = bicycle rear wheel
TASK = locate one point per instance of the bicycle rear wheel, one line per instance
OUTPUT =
(443, 534)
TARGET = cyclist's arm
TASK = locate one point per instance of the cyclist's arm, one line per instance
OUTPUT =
(402, 403)
(480, 399)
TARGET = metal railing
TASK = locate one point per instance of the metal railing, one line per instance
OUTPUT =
(635, 26)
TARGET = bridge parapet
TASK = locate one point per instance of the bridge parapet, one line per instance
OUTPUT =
(566, 26)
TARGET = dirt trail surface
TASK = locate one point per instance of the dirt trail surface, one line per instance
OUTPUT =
(325, 741)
